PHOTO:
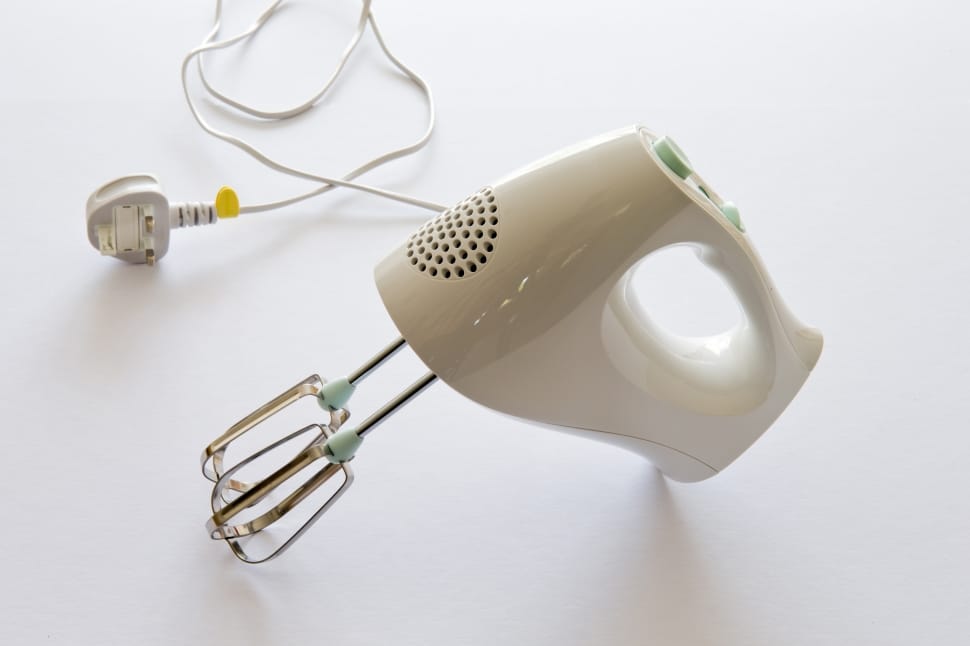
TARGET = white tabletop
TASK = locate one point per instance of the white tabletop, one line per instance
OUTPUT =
(839, 128)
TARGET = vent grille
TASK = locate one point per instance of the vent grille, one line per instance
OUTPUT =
(459, 242)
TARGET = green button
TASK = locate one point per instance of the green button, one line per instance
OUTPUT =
(731, 212)
(671, 155)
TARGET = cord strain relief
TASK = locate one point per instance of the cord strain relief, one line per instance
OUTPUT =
(191, 214)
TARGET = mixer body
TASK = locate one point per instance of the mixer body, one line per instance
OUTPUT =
(519, 299)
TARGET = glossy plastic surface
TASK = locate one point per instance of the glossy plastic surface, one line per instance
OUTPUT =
(548, 330)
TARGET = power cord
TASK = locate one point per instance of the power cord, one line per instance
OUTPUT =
(130, 217)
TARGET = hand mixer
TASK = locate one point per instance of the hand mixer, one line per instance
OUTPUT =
(519, 298)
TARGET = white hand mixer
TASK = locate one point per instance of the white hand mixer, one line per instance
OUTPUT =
(519, 298)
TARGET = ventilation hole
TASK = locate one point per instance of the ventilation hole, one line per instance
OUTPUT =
(436, 249)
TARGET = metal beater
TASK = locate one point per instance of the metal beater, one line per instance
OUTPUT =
(329, 441)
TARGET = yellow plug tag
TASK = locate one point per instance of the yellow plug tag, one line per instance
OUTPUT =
(227, 203)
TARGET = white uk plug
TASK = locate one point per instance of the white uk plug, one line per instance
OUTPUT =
(130, 218)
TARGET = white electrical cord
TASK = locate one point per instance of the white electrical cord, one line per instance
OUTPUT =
(329, 183)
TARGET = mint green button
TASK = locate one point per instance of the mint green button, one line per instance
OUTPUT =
(671, 155)
(731, 212)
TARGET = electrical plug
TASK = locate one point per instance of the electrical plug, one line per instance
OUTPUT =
(130, 218)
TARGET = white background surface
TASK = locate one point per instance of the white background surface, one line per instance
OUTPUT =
(840, 128)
